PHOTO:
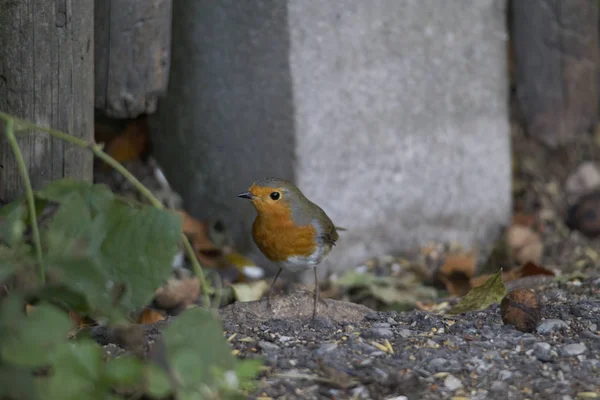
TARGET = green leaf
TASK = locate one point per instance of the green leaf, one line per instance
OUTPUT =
(481, 297)
(125, 370)
(29, 340)
(17, 383)
(110, 242)
(97, 197)
(70, 229)
(195, 348)
(12, 223)
(246, 371)
(76, 371)
(158, 385)
(355, 278)
(8, 264)
(138, 249)
(81, 284)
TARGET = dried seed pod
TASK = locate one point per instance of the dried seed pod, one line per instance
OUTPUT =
(521, 308)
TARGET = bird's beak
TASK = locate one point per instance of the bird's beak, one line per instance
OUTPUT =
(246, 195)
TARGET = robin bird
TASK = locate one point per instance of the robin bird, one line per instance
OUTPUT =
(290, 230)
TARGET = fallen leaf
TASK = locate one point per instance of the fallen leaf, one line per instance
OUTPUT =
(131, 144)
(249, 291)
(528, 269)
(526, 220)
(431, 306)
(481, 297)
(150, 316)
(525, 244)
(207, 253)
(178, 293)
(247, 267)
(531, 269)
(457, 271)
(521, 309)
(78, 320)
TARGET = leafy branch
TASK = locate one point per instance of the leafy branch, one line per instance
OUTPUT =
(16, 125)
(100, 257)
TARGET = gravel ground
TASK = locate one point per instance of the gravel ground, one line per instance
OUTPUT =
(352, 352)
(470, 356)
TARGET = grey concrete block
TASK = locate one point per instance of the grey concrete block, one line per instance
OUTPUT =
(391, 115)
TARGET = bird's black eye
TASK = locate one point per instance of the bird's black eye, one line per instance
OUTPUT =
(275, 195)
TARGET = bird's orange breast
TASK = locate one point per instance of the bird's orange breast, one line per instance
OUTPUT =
(279, 238)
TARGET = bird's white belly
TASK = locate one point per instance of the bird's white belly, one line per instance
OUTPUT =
(301, 263)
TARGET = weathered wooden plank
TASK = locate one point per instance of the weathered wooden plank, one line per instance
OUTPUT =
(133, 42)
(556, 59)
(46, 75)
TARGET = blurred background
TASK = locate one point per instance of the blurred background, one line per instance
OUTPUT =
(449, 138)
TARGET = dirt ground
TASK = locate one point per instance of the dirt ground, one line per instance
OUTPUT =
(367, 351)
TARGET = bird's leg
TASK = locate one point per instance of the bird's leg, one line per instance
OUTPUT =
(317, 295)
(271, 288)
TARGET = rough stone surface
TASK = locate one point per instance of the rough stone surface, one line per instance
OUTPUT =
(392, 116)
(471, 355)
(551, 325)
(556, 47)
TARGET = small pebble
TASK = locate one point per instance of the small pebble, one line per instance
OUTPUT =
(499, 386)
(379, 333)
(550, 325)
(504, 375)
(268, 346)
(542, 351)
(284, 339)
(452, 383)
(405, 333)
(326, 348)
(378, 353)
(574, 349)
(381, 325)
(438, 364)
(398, 398)
(360, 392)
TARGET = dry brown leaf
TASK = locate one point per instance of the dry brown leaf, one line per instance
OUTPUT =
(521, 309)
(525, 244)
(524, 220)
(78, 320)
(178, 293)
(457, 271)
(150, 316)
(531, 269)
(528, 269)
(132, 143)
(431, 306)
(207, 253)
(29, 309)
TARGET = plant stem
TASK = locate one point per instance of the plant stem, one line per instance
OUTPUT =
(37, 243)
(197, 270)
(96, 149)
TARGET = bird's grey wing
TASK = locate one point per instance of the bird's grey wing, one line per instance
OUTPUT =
(328, 233)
